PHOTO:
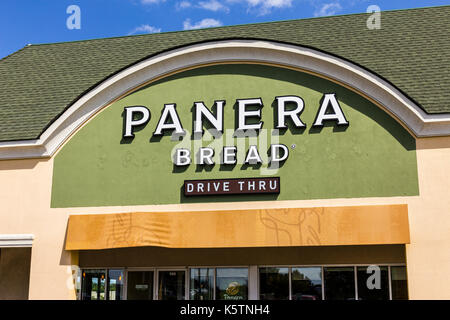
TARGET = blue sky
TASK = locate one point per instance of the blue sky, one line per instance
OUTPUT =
(43, 21)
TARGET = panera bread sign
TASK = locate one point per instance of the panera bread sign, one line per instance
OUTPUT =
(231, 186)
(169, 121)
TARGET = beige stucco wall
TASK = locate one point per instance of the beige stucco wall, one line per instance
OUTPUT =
(25, 189)
(428, 255)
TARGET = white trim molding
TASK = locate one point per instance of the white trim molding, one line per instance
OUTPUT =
(391, 99)
(16, 240)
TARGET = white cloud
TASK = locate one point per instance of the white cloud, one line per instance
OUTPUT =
(183, 5)
(270, 3)
(212, 5)
(151, 1)
(145, 28)
(264, 6)
(328, 9)
(205, 23)
(260, 7)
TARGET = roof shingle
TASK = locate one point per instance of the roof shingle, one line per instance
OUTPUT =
(411, 51)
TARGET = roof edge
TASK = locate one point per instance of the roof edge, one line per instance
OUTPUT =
(366, 83)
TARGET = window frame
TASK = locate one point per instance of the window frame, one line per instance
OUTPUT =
(187, 270)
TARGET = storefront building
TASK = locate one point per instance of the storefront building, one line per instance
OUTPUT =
(301, 160)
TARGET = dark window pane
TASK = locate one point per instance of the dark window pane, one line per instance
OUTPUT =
(399, 283)
(171, 285)
(93, 284)
(339, 283)
(274, 283)
(373, 283)
(307, 283)
(140, 285)
(202, 284)
(115, 285)
(232, 284)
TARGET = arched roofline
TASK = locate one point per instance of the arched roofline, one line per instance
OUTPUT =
(344, 72)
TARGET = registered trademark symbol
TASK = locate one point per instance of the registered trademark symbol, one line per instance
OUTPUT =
(293, 146)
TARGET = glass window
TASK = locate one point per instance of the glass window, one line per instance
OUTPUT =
(202, 284)
(339, 283)
(307, 283)
(140, 285)
(274, 283)
(171, 285)
(93, 284)
(232, 283)
(373, 283)
(399, 283)
(115, 285)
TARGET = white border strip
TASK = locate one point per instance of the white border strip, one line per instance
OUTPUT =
(256, 51)
(16, 240)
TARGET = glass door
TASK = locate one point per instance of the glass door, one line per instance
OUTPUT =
(171, 285)
(93, 285)
(115, 285)
(140, 285)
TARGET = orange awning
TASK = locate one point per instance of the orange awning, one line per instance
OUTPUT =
(352, 225)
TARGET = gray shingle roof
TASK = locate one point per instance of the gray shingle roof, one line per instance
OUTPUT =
(411, 50)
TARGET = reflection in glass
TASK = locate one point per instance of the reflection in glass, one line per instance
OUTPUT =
(140, 285)
(307, 283)
(79, 275)
(171, 285)
(115, 285)
(373, 285)
(232, 284)
(399, 283)
(339, 283)
(93, 284)
(273, 283)
(202, 284)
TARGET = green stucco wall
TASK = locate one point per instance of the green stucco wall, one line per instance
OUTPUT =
(373, 157)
